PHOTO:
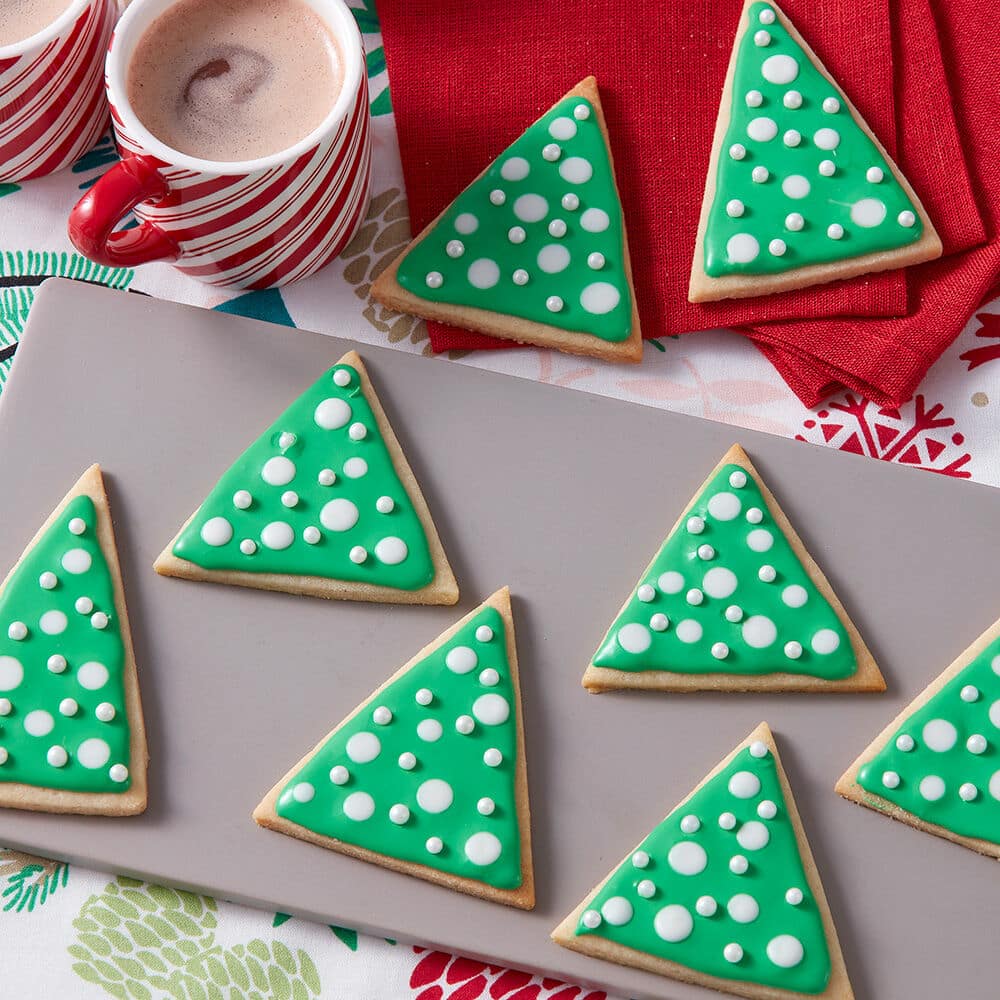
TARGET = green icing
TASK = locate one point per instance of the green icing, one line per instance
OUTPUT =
(867, 210)
(328, 435)
(944, 760)
(471, 713)
(726, 593)
(561, 212)
(54, 678)
(721, 875)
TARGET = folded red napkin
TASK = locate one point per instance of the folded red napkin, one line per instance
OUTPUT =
(467, 77)
(885, 360)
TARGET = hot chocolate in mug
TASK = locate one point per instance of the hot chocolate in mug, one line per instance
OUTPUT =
(250, 223)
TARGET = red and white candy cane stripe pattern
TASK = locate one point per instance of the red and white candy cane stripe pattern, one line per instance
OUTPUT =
(52, 103)
(272, 226)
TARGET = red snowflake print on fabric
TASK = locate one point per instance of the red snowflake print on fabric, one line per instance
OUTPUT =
(988, 331)
(439, 976)
(914, 434)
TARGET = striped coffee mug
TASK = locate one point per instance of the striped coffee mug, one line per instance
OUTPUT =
(253, 224)
(52, 105)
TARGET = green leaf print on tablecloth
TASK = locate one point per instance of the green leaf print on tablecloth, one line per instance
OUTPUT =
(147, 942)
(29, 881)
(367, 17)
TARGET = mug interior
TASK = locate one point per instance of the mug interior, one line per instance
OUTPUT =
(140, 14)
(42, 38)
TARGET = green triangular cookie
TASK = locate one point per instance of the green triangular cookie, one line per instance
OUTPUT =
(322, 503)
(534, 249)
(935, 765)
(733, 601)
(427, 776)
(799, 190)
(723, 893)
(71, 727)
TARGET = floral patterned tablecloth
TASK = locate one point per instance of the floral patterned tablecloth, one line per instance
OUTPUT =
(67, 932)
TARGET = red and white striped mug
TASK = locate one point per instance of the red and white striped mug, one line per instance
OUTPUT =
(52, 106)
(252, 224)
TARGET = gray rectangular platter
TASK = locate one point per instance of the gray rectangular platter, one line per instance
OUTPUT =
(562, 495)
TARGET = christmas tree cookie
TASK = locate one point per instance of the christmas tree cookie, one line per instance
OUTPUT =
(799, 190)
(723, 893)
(427, 776)
(534, 249)
(935, 765)
(322, 503)
(71, 729)
(733, 601)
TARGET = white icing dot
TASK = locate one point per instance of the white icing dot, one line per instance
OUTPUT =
(634, 638)
(118, 773)
(753, 836)
(868, 213)
(57, 756)
(994, 785)
(794, 222)
(454, 248)
(311, 535)
(491, 709)
(424, 696)
(617, 911)
(768, 574)
(554, 303)
(277, 535)
(760, 540)
(385, 505)
(646, 593)
(727, 821)
(694, 596)
(382, 716)
(489, 677)
(56, 663)
(905, 743)
(391, 550)
(486, 806)
(92, 675)
(720, 650)
(581, 112)
(825, 641)
(827, 168)
(777, 248)
(758, 749)
(671, 582)
(461, 659)
(93, 753)
(732, 952)
(435, 795)
(734, 613)
(673, 923)
(737, 151)
(591, 919)
(827, 138)
(38, 723)
(969, 693)
(363, 747)
(429, 730)
(290, 498)
(466, 223)
(932, 788)
(105, 712)
(515, 169)
(434, 845)
(520, 276)
(595, 261)
(492, 757)
(248, 546)
(575, 170)
(562, 128)
(735, 208)
(767, 809)
(516, 234)
(744, 785)
(599, 298)
(906, 218)
(687, 858)
(646, 888)
(483, 849)
(792, 100)
(483, 273)
(795, 595)
(762, 39)
(874, 175)
(794, 896)
(216, 531)
(724, 506)
(407, 761)
(743, 908)
(6, 707)
(570, 202)
(967, 792)
(831, 105)
(795, 186)
(595, 220)
(356, 432)
(759, 175)
(659, 623)
(303, 792)
(359, 806)
(719, 582)
(785, 951)
(762, 129)
(835, 231)
(342, 377)
(779, 69)
(17, 631)
(939, 735)
(3, 755)
(11, 673)
(77, 526)
(326, 477)
(76, 561)
(976, 744)
(339, 774)
(553, 258)
(434, 279)
(48, 581)
(557, 228)
(754, 99)
(355, 468)
(706, 906)
(759, 632)
(793, 650)
(531, 207)
(551, 152)
(497, 197)
(755, 515)
(690, 824)
(68, 707)
(99, 620)
(688, 630)
(640, 859)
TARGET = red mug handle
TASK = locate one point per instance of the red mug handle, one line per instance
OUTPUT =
(94, 218)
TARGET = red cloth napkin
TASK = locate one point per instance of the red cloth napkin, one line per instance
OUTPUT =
(886, 360)
(469, 75)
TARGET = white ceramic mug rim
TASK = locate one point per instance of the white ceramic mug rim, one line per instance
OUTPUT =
(50, 32)
(335, 13)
